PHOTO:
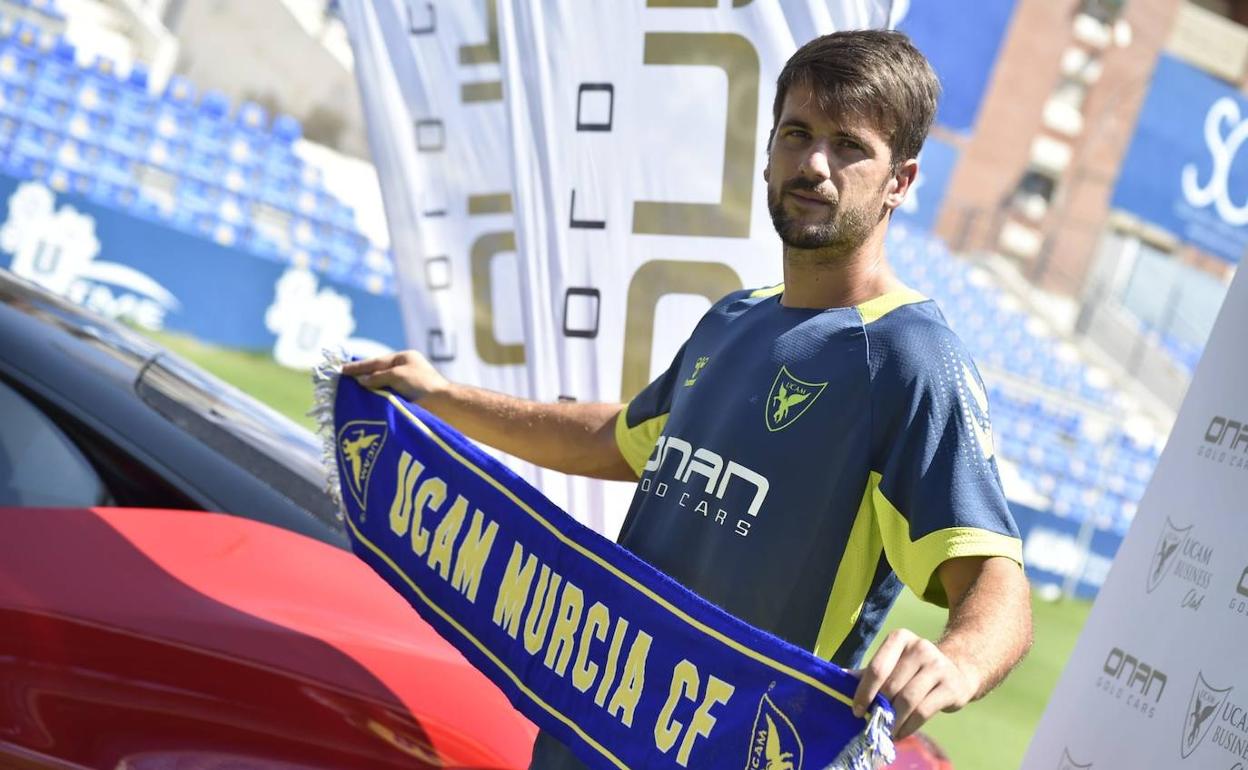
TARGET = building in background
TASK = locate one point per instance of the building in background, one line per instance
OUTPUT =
(1044, 179)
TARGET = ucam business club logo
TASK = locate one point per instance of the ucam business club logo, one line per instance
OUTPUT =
(1183, 559)
(56, 248)
(1225, 443)
(1130, 681)
(1213, 720)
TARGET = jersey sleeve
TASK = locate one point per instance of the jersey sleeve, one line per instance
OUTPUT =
(641, 422)
(934, 484)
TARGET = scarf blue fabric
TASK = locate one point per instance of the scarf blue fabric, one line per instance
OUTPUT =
(625, 666)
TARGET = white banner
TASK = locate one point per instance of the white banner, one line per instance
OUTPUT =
(1159, 677)
(639, 136)
(431, 83)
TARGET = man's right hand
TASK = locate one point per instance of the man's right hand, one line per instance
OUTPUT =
(408, 373)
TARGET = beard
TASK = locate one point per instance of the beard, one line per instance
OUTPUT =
(841, 231)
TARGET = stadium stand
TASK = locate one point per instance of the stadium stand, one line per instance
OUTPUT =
(189, 160)
(1050, 410)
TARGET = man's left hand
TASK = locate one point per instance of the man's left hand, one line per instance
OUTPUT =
(917, 678)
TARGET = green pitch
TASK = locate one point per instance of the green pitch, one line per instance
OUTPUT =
(989, 735)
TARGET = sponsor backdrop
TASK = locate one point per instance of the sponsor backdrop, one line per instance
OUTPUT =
(1157, 680)
(1184, 169)
(160, 278)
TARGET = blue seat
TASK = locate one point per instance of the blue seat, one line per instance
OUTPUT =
(179, 91)
(286, 129)
(251, 117)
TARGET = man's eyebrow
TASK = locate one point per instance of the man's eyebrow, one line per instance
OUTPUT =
(795, 123)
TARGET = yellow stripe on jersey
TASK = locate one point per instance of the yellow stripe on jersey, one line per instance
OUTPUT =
(875, 309)
(770, 291)
(636, 443)
(915, 561)
(853, 579)
(880, 528)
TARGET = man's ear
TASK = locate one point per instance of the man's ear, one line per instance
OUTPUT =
(899, 184)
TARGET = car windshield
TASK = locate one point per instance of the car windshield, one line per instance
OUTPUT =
(279, 452)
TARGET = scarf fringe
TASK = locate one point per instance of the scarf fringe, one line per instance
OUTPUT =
(325, 391)
(871, 750)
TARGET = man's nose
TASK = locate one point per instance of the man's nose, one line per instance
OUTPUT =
(815, 165)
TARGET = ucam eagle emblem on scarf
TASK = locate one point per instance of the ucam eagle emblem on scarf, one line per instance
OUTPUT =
(622, 664)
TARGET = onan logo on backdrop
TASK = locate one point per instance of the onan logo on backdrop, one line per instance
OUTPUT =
(56, 249)
(1132, 682)
(1226, 443)
(1239, 601)
(1223, 148)
(692, 493)
(1213, 719)
(1179, 553)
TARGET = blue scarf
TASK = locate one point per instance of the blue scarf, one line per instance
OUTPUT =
(622, 664)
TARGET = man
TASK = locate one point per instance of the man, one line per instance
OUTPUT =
(815, 445)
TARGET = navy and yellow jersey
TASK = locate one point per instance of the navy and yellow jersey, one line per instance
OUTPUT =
(797, 466)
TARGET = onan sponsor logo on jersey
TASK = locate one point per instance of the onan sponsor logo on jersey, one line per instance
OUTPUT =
(57, 249)
(359, 444)
(1226, 443)
(1210, 712)
(1132, 682)
(676, 479)
(1067, 763)
(775, 744)
(789, 399)
(1180, 554)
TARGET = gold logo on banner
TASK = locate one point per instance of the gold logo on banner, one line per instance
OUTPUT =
(774, 744)
(359, 444)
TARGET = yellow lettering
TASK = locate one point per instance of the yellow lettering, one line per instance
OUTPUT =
(624, 701)
(444, 537)
(470, 559)
(559, 650)
(596, 622)
(717, 692)
(514, 590)
(613, 661)
(685, 682)
(432, 493)
(541, 607)
(400, 514)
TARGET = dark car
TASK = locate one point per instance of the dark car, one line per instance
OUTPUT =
(138, 630)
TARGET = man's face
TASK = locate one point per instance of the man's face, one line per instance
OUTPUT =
(829, 177)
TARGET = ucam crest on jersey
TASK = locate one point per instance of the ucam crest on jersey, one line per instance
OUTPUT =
(56, 248)
(789, 399)
(308, 321)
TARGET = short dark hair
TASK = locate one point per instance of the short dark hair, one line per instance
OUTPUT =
(875, 73)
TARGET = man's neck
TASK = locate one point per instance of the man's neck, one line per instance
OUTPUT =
(820, 280)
